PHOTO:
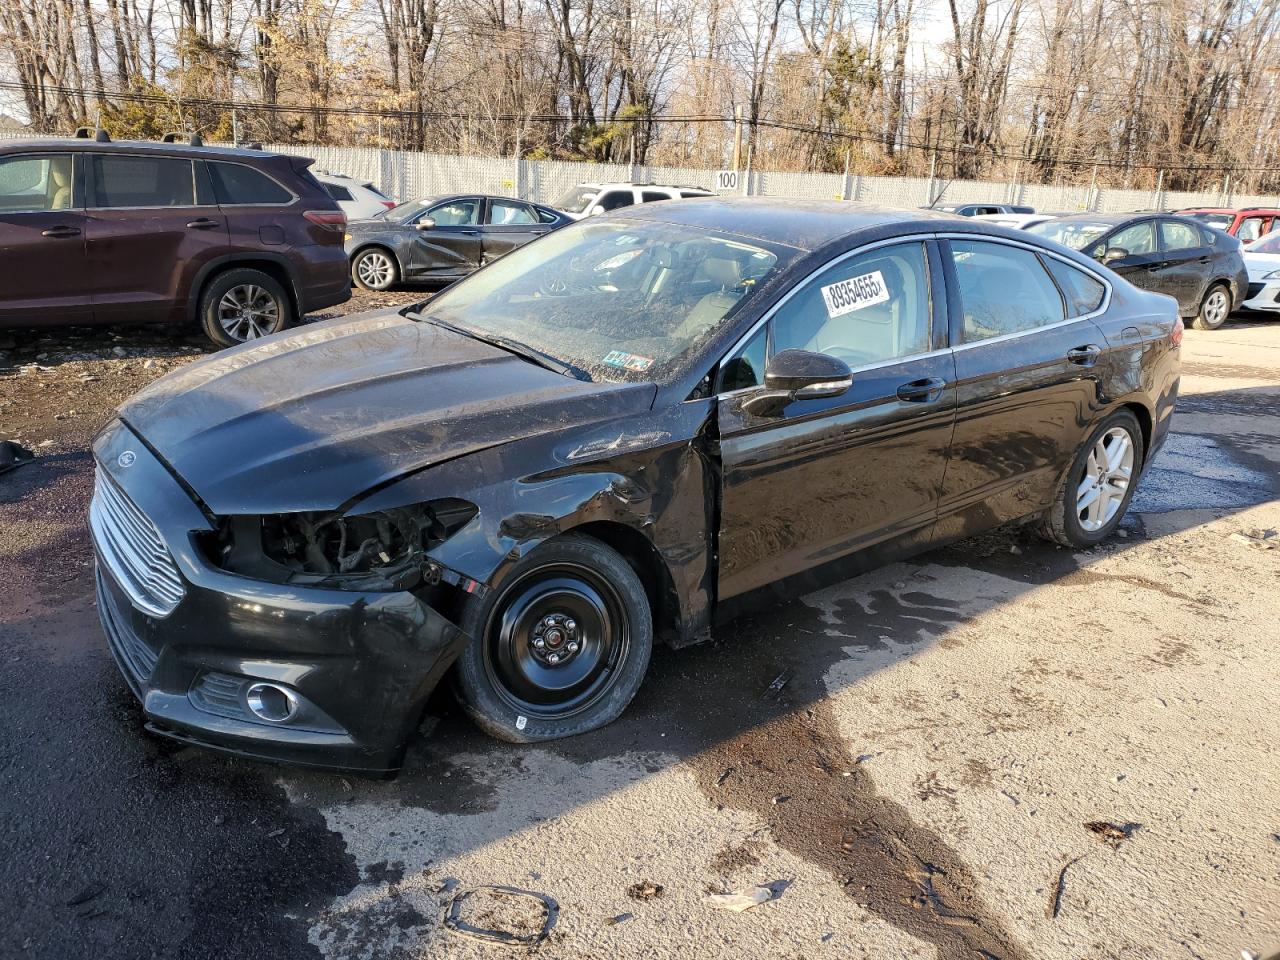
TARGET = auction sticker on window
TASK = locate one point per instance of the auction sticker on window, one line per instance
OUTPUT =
(628, 361)
(855, 293)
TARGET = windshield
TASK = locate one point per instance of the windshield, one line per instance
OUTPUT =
(618, 301)
(1268, 244)
(577, 199)
(1076, 234)
(404, 212)
(1220, 220)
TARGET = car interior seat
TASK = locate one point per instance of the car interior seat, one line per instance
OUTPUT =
(708, 311)
(60, 179)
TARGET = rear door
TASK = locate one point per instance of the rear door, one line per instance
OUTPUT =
(454, 246)
(1186, 264)
(826, 478)
(149, 231)
(509, 224)
(1027, 381)
(42, 241)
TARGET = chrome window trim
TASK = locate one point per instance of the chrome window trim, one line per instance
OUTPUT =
(768, 315)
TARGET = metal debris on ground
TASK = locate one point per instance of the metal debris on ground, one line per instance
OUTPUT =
(742, 899)
(526, 929)
(644, 890)
(1108, 833)
(780, 681)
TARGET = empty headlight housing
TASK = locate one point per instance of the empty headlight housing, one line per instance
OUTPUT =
(386, 550)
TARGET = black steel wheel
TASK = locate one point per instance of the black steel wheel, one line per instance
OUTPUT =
(560, 647)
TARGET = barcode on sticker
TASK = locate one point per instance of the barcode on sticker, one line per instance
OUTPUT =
(855, 293)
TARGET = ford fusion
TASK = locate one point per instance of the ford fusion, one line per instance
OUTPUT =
(617, 435)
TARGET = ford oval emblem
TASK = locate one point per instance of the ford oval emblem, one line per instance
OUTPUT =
(127, 458)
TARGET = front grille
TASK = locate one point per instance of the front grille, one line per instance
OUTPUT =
(135, 657)
(133, 550)
(1254, 290)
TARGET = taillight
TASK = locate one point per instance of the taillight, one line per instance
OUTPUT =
(1175, 338)
(389, 204)
(334, 220)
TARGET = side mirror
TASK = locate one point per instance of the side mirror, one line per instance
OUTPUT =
(799, 375)
(426, 223)
(1111, 254)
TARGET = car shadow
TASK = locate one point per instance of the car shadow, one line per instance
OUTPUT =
(748, 714)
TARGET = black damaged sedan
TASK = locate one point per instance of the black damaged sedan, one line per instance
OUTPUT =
(620, 434)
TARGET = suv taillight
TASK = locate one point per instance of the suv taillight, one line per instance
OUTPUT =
(1175, 338)
(389, 204)
(334, 220)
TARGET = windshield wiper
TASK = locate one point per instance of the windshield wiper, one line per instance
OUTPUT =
(522, 350)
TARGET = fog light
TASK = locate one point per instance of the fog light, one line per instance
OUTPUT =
(272, 703)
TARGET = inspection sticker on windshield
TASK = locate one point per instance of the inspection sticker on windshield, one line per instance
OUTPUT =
(628, 361)
(855, 293)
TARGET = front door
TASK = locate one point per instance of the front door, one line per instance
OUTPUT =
(1186, 264)
(1028, 383)
(509, 224)
(826, 478)
(1142, 262)
(147, 232)
(42, 260)
(454, 246)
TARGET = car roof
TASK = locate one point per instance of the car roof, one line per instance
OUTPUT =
(803, 224)
(1116, 218)
(1230, 210)
(62, 145)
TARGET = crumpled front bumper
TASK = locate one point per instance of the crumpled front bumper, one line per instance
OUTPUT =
(361, 664)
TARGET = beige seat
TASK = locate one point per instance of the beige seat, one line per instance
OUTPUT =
(60, 177)
(708, 311)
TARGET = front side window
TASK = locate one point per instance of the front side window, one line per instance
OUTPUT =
(1178, 236)
(630, 301)
(1137, 239)
(1084, 293)
(1250, 230)
(746, 367)
(615, 199)
(867, 309)
(506, 213)
(35, 184)
(1003, 290)
(235, 184)
(121, 180)
(456, 213)
(577, 199)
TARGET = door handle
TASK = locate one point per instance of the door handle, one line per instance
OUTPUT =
(1204, 259)
(922, 391)
(1085, 356)
(204, 223)
(60, 233)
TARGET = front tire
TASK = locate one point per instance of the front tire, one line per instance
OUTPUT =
(1097, 489)
(243, 305)
(374, 269)
(1214, 309)
(560, 648)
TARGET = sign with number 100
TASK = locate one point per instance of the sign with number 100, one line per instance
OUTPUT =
(727, 180)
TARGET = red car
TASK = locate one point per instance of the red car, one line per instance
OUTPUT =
(1245, 223)
(240, 241)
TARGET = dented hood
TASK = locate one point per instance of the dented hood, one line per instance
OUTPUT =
(311, 420)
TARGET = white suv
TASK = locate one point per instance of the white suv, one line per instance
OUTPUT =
(359, 199)
(588, 198)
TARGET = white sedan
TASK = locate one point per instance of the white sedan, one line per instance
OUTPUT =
(1262, 260)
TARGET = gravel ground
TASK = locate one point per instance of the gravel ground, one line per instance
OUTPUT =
(999, 749)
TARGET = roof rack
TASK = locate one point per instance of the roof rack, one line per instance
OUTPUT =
(88, 133)
(193, 139)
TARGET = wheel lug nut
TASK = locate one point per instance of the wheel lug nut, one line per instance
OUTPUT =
(539, 642)
(573, 646)
(570, 625)
(554, 658)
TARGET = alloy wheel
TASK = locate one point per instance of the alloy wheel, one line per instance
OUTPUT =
(556, 641)
(374, 270)
(1107, 475)
(1216, 306)
(248, 311)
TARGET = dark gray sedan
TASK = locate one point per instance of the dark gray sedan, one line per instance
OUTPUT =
(442, 238)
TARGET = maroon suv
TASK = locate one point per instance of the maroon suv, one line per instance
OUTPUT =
(240, 240)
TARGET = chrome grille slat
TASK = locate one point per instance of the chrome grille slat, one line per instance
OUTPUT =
(133, 550)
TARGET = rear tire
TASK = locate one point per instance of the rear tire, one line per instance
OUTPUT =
(1097, 489)
(1214, 309)
(242, 305)
(374, 269)
(560, 648)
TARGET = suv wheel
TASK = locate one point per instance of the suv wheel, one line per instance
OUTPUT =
(560, 648)
(1098, 487)
(242, 305)
(374, 269)
(1215, 309)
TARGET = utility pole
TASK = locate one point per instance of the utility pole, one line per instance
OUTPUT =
(737, 138)
(235, 128)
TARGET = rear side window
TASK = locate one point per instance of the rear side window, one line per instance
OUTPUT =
(547, 216)
(615, 199)
(508, 213)
(32, 184)
(127, 181)
(1178, 236)
(1083, 293)
(1003, 290)
(336, 191)
(652, 196)
(235, 184)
